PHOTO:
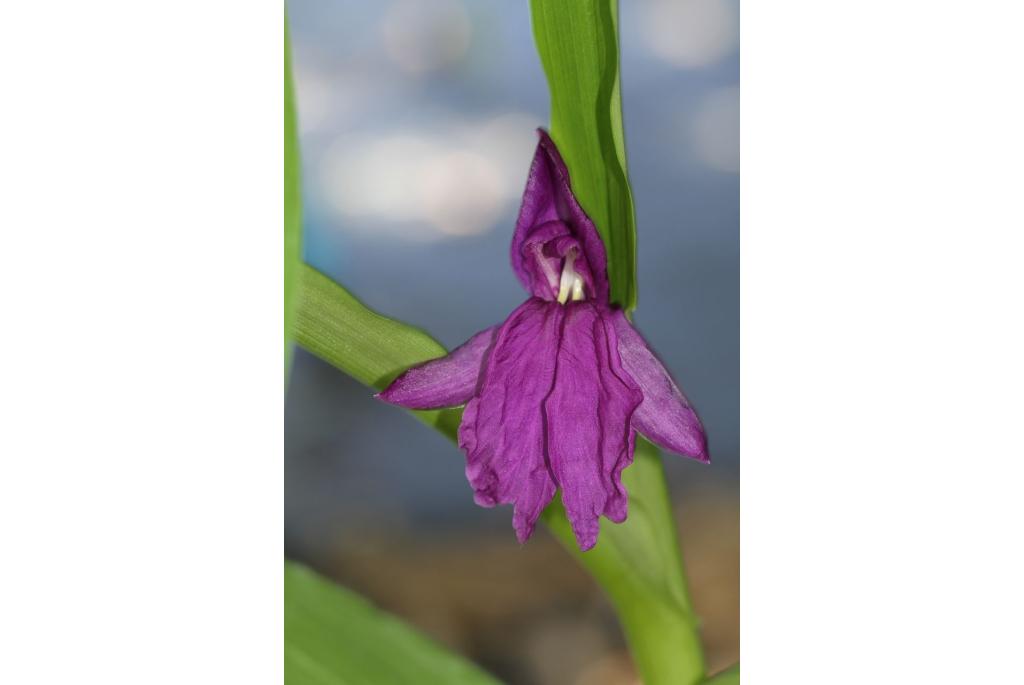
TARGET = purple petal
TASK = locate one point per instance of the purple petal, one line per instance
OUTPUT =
(551, 222)
(502, 430)
(588, 412)
(445, 382)
(665, 416)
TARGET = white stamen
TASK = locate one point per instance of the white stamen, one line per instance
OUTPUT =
(577, 289)
(565, 286)
(570, 283)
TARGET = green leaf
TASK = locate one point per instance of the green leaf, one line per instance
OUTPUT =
(373, 349)
(638, 562)
(334, 637)
(292, 205)
(730, 676)
(578, 45)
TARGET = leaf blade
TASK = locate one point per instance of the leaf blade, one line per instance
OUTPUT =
(577, 41)
(335, 326)
(334, 637)
(292, 205)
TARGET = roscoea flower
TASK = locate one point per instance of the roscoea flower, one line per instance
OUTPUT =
(556, 394)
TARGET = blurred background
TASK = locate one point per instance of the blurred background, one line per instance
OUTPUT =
(417, 123)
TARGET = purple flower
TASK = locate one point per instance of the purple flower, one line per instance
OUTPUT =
(556, 394)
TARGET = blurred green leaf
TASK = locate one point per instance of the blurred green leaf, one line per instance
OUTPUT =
(578, 45)
(637, 563)
(334, 637)
(292, 205)
(730, 676)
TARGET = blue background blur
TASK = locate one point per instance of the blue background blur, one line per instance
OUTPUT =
(417, 123)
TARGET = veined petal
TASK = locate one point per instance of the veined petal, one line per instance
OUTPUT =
(445, 382)
(588, 412)
(551, 222)
(665, 416)
(502, 430)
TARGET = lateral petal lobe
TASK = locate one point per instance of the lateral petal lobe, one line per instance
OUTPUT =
(445, 382)
(665, 416)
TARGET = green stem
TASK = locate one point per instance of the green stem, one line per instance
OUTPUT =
(639, 564)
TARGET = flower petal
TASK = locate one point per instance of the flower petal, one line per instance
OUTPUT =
(588, 412)
(502, 430)
(445, 382)
(665, 416)
(551, 222)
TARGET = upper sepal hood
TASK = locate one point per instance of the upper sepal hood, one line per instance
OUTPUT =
(551, 226)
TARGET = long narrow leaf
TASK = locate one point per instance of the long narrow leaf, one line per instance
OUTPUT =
(292, 205)
(373, 349)
(334, 637)
(637, 563)
(578, 45)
